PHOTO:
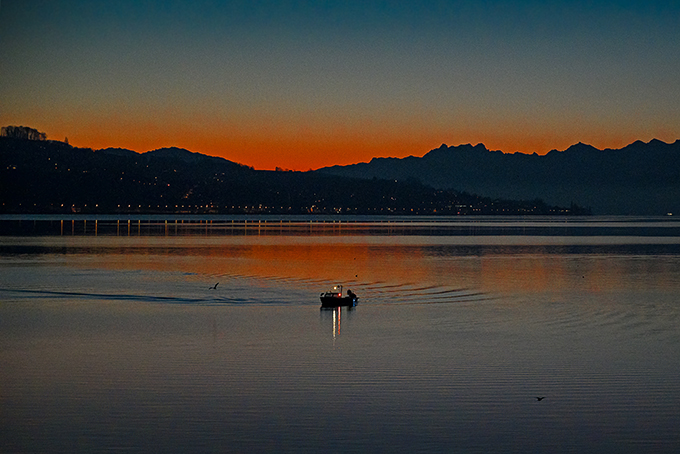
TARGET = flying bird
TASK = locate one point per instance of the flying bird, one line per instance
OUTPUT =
(214, 286)
(540, 398)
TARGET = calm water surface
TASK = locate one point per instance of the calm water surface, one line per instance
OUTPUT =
(111, 338)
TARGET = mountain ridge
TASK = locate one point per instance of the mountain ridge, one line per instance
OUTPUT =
(640, 178)
(54, 177)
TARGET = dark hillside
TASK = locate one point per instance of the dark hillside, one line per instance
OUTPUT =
(53, 177)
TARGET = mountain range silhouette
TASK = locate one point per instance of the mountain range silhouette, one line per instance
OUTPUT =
(639, 179)
(53, 176)
(45, 176)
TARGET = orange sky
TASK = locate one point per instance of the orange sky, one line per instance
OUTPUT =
(300, 145)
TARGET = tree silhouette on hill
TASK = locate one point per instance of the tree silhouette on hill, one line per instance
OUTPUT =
(22, 132)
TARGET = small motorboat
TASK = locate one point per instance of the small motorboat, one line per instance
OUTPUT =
(334, 298)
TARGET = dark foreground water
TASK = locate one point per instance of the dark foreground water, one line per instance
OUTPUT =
(111, 339)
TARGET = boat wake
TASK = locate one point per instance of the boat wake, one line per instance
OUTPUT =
(391, 294)
(26, 294)
(237, 289)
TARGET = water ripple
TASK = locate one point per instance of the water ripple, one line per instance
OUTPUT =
(54, 294)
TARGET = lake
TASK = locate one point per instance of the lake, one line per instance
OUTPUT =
(112, 339)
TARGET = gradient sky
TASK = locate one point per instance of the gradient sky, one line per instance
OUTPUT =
(302, 84)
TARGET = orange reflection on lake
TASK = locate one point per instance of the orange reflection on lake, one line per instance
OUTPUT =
(334, 262)
(389, 259)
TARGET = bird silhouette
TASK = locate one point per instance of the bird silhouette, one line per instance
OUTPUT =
(214, 286)
(540, 398)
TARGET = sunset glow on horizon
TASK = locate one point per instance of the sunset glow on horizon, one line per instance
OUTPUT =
(302, 85)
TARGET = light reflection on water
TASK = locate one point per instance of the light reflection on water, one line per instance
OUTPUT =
(111, 343)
